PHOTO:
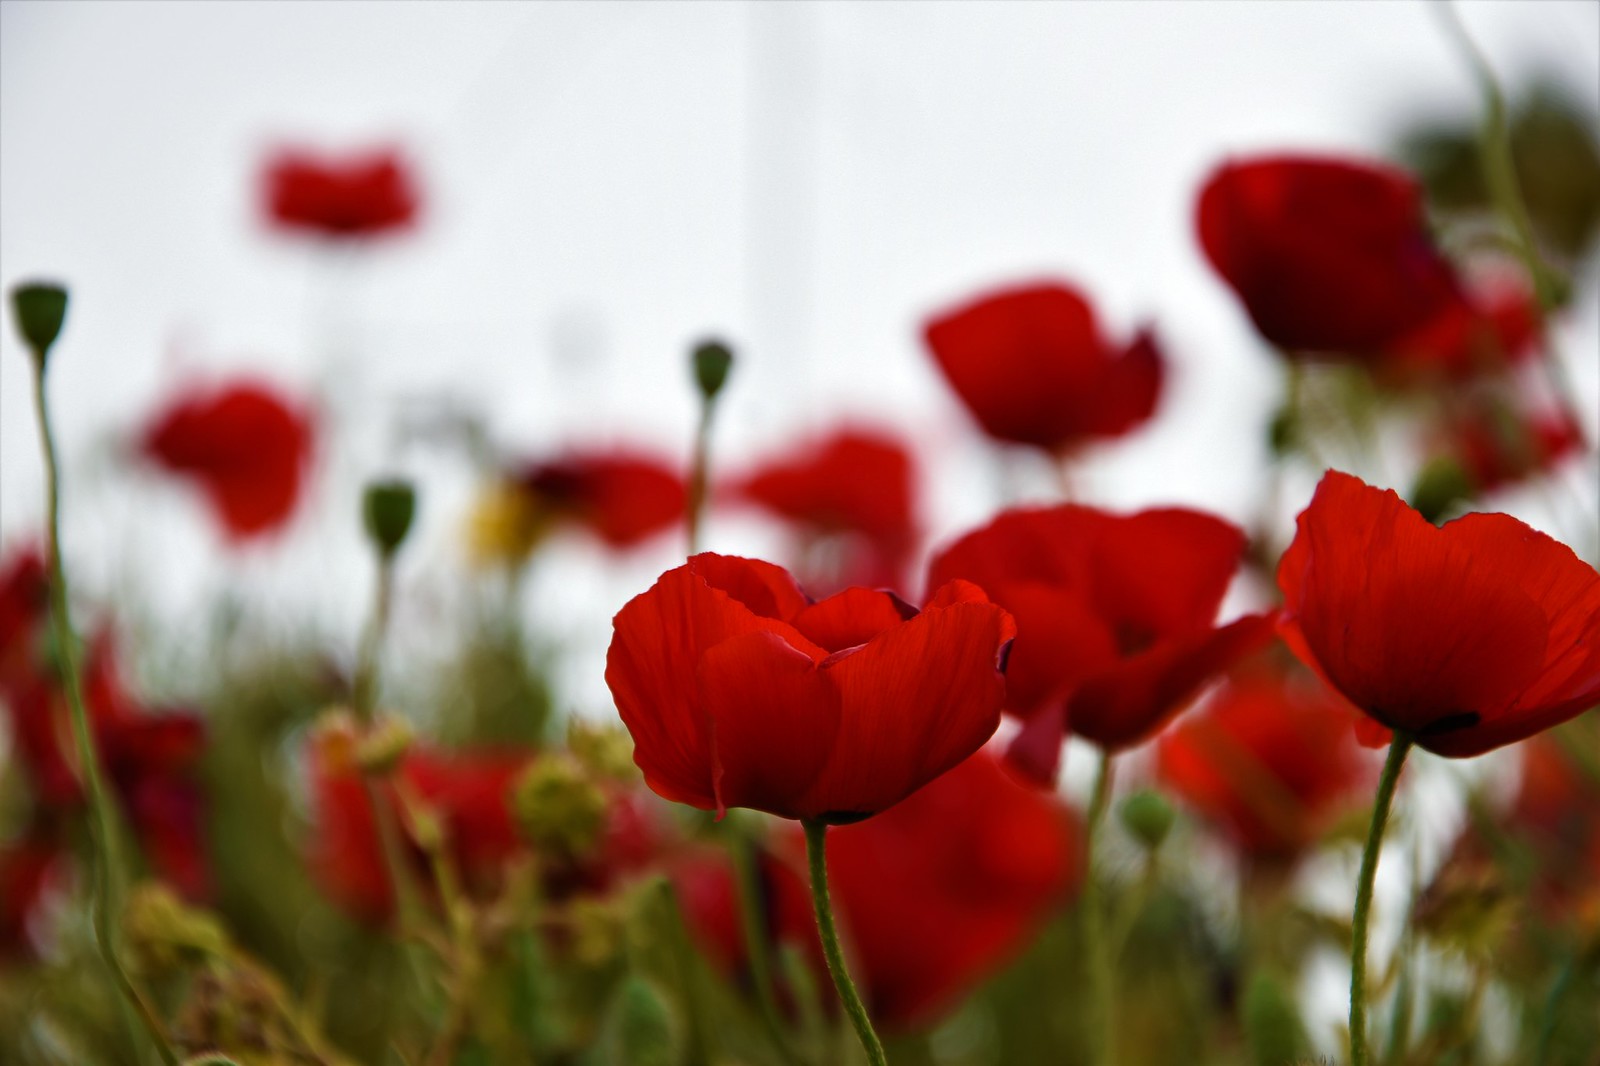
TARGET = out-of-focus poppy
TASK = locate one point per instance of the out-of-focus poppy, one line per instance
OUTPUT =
(1496, 325)
(1331, 257)
(244, 444)
(1271, 759)
(27, 866)
(1032, 367)
(467, 792)
(1475, 634)
(357, 196)
(740, 692)
(151, 760)
(853, 488)
(975, 855)
(622, 498)
(1115, 618)
(1504, 445)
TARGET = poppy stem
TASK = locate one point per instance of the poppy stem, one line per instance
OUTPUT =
(1398, 749)
(364, 690)
(747, 881)
(108, 858)
(1095, 954)
(816, 834)
(698, 476)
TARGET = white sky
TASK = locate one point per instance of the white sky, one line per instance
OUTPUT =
(607, 182)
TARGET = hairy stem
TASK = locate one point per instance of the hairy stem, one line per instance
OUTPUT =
(1398, 749)
(816, 847)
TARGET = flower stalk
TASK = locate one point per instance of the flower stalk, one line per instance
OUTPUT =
(1095, 949)
(108, 866)
(1398, 749)
(816, 859)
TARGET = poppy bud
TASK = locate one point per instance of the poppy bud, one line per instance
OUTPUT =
(640, 1026)
(1148, 817)
(1272, 1022)
(388, 508)
(1440, 485)
(383, 745)
(559, 808)
(605, 752)
(712, 362)
(164, 932)
(40, 308)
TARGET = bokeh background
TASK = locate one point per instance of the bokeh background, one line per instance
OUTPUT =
(603, 185)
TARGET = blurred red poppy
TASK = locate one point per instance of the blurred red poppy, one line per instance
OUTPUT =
(151, 760)
(1032, 367)
(247, 447)
(1496, 325)
(1115, 618)
(621, 497)
(975, 856)
(740, 692)
(1329, 256)
(1503, 445)
(467, 791)
(1475, 634)
(854, 488)
(1271, 759)
(364, 195)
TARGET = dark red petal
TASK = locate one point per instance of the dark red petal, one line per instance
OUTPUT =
(775, 719)
(1162, 573)
(1035, 752)
(848, 618)
(1060, 641)
(1127, 391)
(1404, 621)
(915, 701)
(652, 666)
(1125, 703)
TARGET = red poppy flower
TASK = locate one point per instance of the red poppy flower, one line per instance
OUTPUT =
(27, 868)
(1329, 256)
(1032, 367)
(151, 760)
(740, 692)
(1271, 758)
(623, 498)
(1496, 325)
(1115, 618)
(467, 791)
(24, 607)
(244, 444)
(357, 196)
(1505, 445)
(1468, 636)
(976, 856)
(854, 486)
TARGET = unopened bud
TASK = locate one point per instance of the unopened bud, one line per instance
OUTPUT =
(1148, 817)
(640, 1027)
(1272, 1022)
(385, 742)
(40, 308)
(388, 508)
(605, 751)
(1442, 484)
(561, 810)
(712, 362)
(164, 933)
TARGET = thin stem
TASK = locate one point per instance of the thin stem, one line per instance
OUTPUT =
(365, 689)
(699, 475)
(1096, 956)
(108, 858)
(816, 847)
(1398, 749)
(747, 881)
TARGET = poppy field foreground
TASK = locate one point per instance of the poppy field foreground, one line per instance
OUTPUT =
(1311, 777)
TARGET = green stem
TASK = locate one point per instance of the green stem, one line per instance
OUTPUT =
(747, 882)
(1398, 749)
(699, 475)
(1096, 957)
(108, 859)
(365, 689)
(816, 847)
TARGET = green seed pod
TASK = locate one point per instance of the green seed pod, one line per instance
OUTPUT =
(388, 508)
(1148, 817)
(40, 308)
(712, 362)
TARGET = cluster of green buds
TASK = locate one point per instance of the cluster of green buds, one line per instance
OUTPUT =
(374, 749)
(560, 806)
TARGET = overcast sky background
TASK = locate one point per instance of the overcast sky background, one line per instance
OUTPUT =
(604, 183)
